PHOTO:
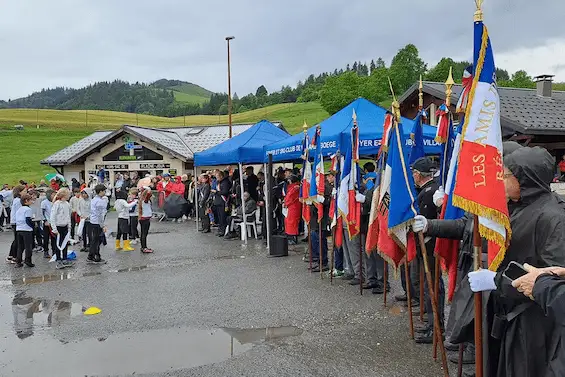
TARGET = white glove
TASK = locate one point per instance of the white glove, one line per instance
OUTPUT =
(482, 280)
(320, 199)
(420, 224)
(439, 196)
(334, 192)
(360, 198)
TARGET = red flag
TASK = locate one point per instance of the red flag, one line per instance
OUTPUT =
(373, 231)
(354, 210)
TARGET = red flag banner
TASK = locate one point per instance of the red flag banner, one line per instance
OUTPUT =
(479, 185)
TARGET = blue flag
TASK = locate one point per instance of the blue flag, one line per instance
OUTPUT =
(417, 136)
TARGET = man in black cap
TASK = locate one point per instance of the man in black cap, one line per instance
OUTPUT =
(423, 171)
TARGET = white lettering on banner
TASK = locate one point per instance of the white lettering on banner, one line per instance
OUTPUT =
(324, 145)
(294, 148)
(430, 142)
(365, 143)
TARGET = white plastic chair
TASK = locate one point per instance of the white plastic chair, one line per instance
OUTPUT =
(251, 224)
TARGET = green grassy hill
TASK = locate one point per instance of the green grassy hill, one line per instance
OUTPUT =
(21, 151)
(190, 93)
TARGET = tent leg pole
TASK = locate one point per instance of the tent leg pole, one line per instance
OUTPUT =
(267, 204)
(244, 230)
(196, 199)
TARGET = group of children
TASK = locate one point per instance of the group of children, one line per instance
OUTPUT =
(52, 217)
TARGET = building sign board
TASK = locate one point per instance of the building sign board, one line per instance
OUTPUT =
(113, 167)
(154, 166)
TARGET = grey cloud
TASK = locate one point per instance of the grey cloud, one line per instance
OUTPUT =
(75, 42)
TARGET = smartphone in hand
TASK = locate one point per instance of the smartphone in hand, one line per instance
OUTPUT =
(514, 271)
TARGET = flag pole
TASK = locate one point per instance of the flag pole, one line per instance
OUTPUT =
(320, 230)
(448, 91)
(308, 230)
(434, 303)
(477, 253)
(396, 116)
(354, 116)
(334, 230)
(421, 270)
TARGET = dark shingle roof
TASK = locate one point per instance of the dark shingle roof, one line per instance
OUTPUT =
(522, 109)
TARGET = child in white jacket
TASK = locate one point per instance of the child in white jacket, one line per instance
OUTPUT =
(122, 207)
(60, 224)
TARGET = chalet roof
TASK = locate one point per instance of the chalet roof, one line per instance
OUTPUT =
(180, 142)
(523, 110)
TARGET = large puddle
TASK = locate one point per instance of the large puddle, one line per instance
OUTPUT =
(29, 348)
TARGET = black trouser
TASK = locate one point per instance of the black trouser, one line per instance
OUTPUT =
(14, 246)
(95, 233)
(280, 218)
(73, 224)
(189, 209)
(38, 241)
(144, 223)
(62, 254)
(202, 213)
(25, 241)
(222, 219)
(86, 234)
(48, 237)
(123, 229)
(133, 233)
(3, 219)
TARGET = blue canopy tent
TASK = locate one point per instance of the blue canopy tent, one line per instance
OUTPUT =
(336, 132)
(245, 148)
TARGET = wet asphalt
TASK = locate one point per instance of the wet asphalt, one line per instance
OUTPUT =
(198, 306)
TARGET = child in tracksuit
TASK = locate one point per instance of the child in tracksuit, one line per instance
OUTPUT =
(123, 207)
(73, 201)
(133, 217)
(83, 212)
(48, 236)
(145, 213)
(60, 221)
(37, 220)
(24, 231)
(98, 210)
(16, 204)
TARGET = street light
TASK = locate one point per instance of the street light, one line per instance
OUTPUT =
(228, 39)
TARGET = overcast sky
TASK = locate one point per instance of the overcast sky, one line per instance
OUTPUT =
(76, 42)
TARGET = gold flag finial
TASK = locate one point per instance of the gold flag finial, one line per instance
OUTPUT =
(448, 85)
(421, 95)
(479, 12)
(305, 127)
(354, 116)
(395, 104)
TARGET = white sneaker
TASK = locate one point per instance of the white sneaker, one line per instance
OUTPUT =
(133, 242)
(184, 218)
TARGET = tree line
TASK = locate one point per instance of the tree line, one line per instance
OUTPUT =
(333, 90)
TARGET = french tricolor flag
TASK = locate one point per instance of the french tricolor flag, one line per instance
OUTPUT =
(317, 181)
(479, 180)
(306, 174)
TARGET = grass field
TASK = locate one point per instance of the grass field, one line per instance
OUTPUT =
(21, 151)
(190, 93)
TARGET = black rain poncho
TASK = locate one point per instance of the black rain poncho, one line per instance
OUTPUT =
(528, 340)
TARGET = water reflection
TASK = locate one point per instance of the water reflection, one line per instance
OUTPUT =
(148, 352)
(36, 313)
